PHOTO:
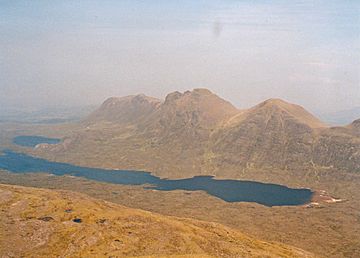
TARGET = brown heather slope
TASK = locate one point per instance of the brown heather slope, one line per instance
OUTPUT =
(197, 132)
(39, 223)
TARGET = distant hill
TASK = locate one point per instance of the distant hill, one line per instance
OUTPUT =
(343, 117)
(68, 224)
(198, 133)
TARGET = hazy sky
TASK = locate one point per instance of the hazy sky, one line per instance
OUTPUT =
(81, 52)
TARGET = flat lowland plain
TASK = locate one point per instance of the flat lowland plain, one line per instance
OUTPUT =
(328, 230)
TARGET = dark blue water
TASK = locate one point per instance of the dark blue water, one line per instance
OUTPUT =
(32, 141)
(227, 190)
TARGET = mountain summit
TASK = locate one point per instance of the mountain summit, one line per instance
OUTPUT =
(197, 108)
(293, 111)
(125, 109)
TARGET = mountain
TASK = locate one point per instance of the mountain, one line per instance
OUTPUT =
(277, 134)
(355, 125)
(197, 108)
(198, 133)
(181, 127)
(124, 110)
(272, 134)
(47, 223)
(283, 111)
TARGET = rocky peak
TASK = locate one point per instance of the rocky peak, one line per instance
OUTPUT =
(171, 97)
(207, 107)
(282, 108)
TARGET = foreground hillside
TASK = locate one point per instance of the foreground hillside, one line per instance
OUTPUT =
(197, 132)
(48, 223)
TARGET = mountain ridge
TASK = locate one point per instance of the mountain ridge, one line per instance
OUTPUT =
(199, 133)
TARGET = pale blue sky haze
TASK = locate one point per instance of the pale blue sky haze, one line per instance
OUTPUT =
(81, 52)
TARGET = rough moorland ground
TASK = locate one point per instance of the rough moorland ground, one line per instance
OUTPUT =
(48, 223)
